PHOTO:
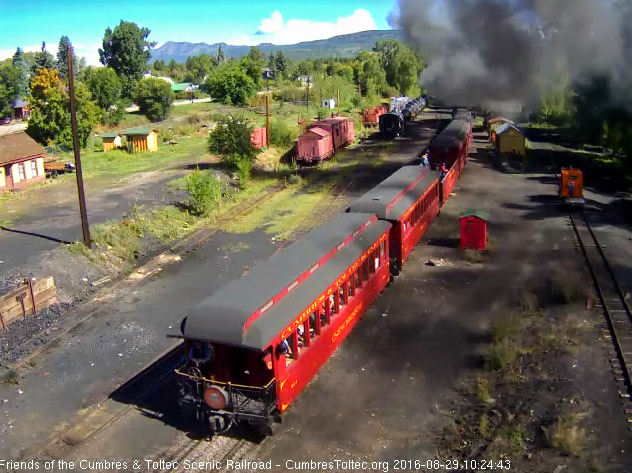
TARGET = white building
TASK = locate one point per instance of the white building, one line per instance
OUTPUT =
(329, 103)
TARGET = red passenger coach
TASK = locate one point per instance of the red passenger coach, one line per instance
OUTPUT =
(409, 199)
(452, 144)
(262, 338)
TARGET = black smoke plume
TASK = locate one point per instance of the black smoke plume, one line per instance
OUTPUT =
(481, 52)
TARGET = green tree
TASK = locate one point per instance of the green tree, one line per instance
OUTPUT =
(154, 98)
(22, 85)
(401, 65)
(43, 59)
(281, 64)
(252, 64)
(220, 57)
(106, 89)
(126, 50)
(272, 66)
(371, 75)
(199, 67)
(9, 85)
(229, 84)
(50, 110)
(62, 59)
(159, 66)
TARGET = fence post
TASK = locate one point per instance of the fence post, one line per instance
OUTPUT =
(30, 283)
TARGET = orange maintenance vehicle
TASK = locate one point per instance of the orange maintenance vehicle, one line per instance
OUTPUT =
(571, 186)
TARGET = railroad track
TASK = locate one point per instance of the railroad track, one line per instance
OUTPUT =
(140, 386)
(613, 303)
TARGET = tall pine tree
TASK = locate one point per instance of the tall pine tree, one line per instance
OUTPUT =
(62, 58)
(22, 84)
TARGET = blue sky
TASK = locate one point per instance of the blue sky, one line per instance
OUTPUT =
(28, 23)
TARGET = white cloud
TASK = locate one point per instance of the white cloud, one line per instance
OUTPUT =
(277, 31)
(274, 24)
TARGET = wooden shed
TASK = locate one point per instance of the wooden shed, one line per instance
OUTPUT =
(141, 139)
(111, 141)
(21, 161)
(510, 140)
(494, 124)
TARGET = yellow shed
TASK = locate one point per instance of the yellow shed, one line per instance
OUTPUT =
(141, 139)
(111, 141)
(510, 140)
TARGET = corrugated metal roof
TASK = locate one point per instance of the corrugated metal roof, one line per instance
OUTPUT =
(141, 130)
(110, 134)
(482, 214)
(499, 119)
(505, 128)
(224, 316)
(393, 196)
(18, 146)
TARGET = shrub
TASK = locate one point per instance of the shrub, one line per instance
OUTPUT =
(205, 191)
(244, 168)
(231, 141)
(281, 134)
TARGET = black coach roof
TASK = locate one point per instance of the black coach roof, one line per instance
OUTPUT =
(453, 135)
(281, 315)
(223, 315)
(393, 196)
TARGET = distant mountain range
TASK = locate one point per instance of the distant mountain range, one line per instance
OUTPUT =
(347, 45)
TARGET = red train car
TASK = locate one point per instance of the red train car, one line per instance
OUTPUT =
(340, 129)
(371, 116)
(409, 200)
(257, 342)
(452, 144)
(314, 145)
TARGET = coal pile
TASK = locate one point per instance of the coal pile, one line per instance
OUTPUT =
(35, 329)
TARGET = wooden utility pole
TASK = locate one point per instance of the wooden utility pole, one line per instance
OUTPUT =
(308, 96)
(267, 121)
(338, 102)
(75, 144)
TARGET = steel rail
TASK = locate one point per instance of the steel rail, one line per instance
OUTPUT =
(615, 326)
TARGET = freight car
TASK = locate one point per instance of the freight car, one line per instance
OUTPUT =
(391, 124)
(371, 116)
(254, 345)
(324, 138)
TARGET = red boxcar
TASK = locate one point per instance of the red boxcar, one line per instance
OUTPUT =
(258, 137)
(314, 145)
(268, 333)
(452, 144)
(409, 199)
(340, 129)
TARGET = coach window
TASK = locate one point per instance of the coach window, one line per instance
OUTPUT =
(329, 307)
(345, 293)
(358, 278)
(365, 269)
(289, 348)
(336, 307)
(314, 325)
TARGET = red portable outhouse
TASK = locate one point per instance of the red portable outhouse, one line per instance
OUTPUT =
(474, 229)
